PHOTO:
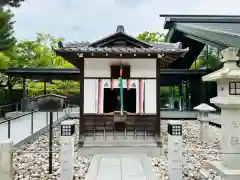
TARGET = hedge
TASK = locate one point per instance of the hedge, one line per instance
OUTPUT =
(70, 92)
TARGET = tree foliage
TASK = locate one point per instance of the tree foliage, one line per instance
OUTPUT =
(11, 3)
(34, 54)
(208, 58)
(7, 40)
(151, 37)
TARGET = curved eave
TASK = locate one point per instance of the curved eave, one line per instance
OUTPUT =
(168, 56)
(135, 54)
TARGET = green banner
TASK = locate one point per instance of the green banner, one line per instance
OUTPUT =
(121, 90)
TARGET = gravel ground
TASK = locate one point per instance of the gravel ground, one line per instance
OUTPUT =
(194, 154)
(31, 160)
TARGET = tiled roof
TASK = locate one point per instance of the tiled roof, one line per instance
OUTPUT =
(155, 48)
(104, 45)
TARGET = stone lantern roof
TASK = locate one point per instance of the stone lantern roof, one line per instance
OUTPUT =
(230, 69)
(204, 108)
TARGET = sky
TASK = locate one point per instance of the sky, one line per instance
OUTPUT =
(90, 20)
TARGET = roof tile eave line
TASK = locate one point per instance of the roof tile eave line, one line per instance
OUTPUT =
(130, 52)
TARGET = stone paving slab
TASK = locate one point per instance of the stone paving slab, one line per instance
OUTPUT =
(121, 167)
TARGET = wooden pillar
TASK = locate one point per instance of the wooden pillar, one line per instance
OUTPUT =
(81, 118)
(158, 124)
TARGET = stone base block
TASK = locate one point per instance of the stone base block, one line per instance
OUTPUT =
(224, 172)
(6, 160)
(149, 151)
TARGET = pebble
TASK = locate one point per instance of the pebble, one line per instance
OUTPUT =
(195, 154)
(30, 162)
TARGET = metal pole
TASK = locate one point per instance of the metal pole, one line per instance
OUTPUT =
(47, 120)
(65, 108)
(44, 88)
(68, 107)
(50, 143)
(17, 107)
(24, 87)
(32, 122)
(9, 129)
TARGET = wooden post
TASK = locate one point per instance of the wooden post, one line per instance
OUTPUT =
(81, 120)
(158, 124)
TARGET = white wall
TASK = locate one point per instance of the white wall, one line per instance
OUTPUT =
(101, 67)
(140, 68)
(150, 96)
(90, 95)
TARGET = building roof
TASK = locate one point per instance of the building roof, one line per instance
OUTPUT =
(122, 45)
(156, 48)
(195, 31)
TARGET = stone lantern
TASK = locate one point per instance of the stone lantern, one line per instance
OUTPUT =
(228, 99)
(203, 117)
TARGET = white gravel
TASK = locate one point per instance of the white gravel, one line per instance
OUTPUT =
(194, 154)
(31, 160)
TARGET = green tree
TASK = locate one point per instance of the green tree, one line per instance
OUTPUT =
(7, 40)
(11, 3)
(151, 37)
(35, 54)
(208, 58)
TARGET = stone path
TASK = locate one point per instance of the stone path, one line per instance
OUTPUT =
(121, 167)
(21, 127)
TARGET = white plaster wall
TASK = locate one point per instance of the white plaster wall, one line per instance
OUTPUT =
(141, 68)
(137, 95)
(150, 96)
(95, 67)
(90, 95)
